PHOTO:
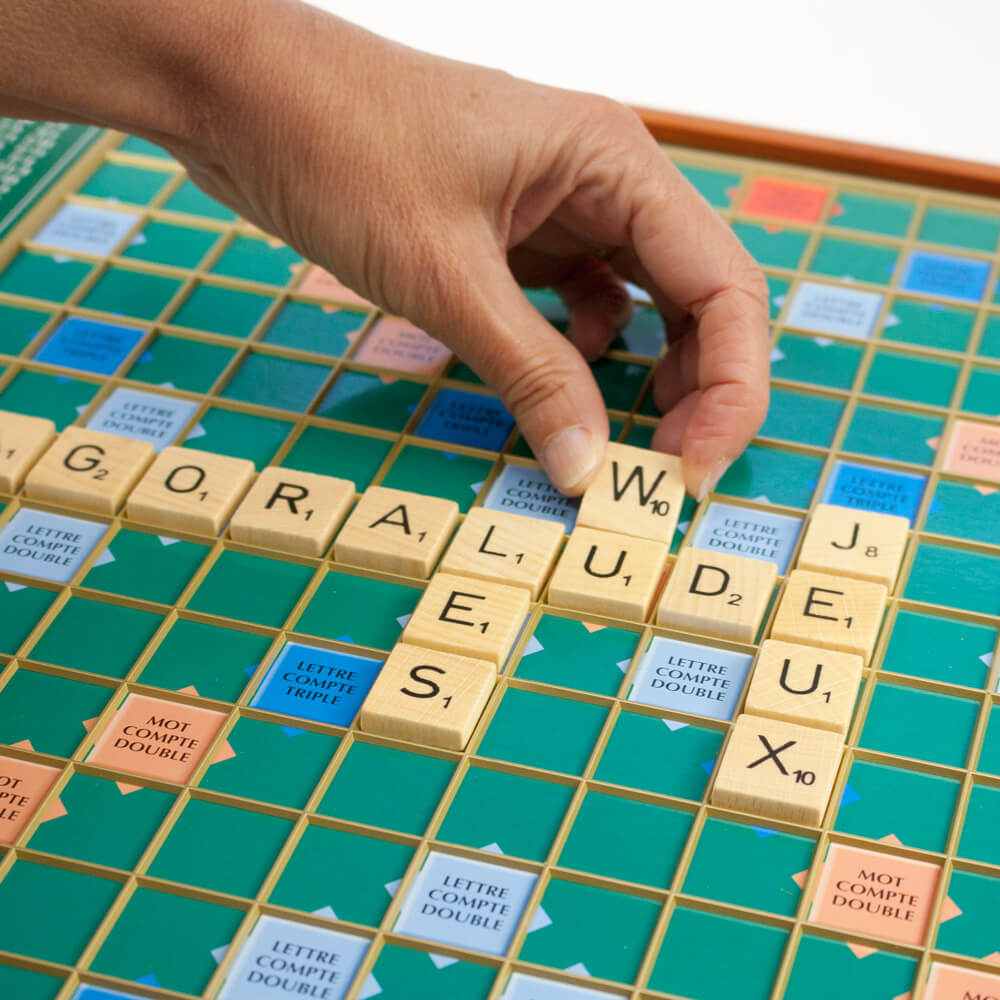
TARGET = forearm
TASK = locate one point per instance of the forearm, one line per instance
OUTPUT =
(151, 68)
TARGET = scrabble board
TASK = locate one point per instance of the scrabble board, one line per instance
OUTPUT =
(191, 804)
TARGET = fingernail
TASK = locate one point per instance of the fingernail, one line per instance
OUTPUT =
(712, 479)
(569, 457)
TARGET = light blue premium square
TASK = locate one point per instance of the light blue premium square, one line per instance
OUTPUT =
(144, 416)
(86, 229)
(946, 275)
(867, 487)
(523, 490)
(689, 677)
(47, 546)
(295, 958)
(753, 534)
(470, 904)
(315, 683)
(848, 312)
(88, 345)
(466, 418)
(524, 987)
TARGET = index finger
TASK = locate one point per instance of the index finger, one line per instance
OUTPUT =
(696, 261)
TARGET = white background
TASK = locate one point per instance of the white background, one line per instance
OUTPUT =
(914, 74)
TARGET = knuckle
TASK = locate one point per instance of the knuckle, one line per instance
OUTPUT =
(608, 120)
(528, 389)
(748, 278)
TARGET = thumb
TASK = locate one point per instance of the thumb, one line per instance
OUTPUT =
(541, 377)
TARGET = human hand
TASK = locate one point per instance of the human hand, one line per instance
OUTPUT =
(433, 188)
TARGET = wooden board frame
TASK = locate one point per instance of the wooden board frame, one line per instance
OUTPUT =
(883, 162)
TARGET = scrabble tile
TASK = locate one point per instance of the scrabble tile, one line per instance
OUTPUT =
(777, 770)
(856, 543)
(604, 573)
(474, 618)
(188, 490)
(805, 685)
(22, 441)
(428, 696)
(832, 612)
(506, 548)
(292, 511)
(88, 470)
(637, 492)
(396, 531)
(718, 594)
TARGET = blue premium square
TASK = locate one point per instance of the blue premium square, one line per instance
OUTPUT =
(319, 684)
(867, 487)
(88, 345)
(946, 275)
(467, 418)
(689, 677)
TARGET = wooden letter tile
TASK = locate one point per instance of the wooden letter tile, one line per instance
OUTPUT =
(856, 543)
(428, 696)
(471, 617)
(292, 511)
(715, 593)
(637, 492)
(22, 441)
(88, 470)
(188, 490)
(805, 685)
(396, 531)
(506, 548)
(604, 573)
(832, 612)
(777, 770)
